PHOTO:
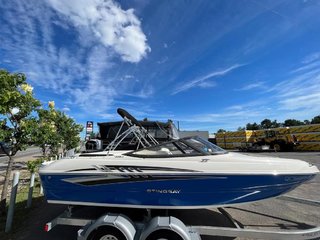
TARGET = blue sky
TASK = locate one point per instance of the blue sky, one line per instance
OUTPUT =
(208, 64)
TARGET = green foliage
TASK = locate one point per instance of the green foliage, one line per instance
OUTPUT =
(253, 126)
(93, 135)
(267, 123)
(33, 165)
(275, 124)
(69, 131)
(47, 137)
(292, 122)
(221, 130)
(307, 122)
(315, 120)
(56, 130)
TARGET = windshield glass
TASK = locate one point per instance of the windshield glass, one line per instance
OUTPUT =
(169, 149)
(204, 145)
(191, 146)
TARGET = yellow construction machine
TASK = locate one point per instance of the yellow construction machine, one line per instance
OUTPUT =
(274, 140)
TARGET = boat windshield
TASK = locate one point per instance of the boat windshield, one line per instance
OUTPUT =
(190, 146)
(205, 145)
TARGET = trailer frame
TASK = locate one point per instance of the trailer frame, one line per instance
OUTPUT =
(132, 230)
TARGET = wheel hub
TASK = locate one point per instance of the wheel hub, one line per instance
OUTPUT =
(109, 237)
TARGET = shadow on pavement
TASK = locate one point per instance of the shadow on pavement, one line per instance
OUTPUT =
(289, 225)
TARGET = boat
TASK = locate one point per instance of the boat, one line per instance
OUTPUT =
(186, 173)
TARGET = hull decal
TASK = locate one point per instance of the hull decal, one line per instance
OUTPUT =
(132, 169)
(113, 179)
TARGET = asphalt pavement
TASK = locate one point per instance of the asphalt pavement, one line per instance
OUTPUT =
(22, 155)
(20, 160)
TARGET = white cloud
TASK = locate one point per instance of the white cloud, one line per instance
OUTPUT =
(298, 96)
(144, 92)
(128, 76)
(114, 27)
(254, 85)
(163, 60)
(6, 61)
(235, 107)
(83, 72)
(255, 104)
(299, 85)
(226, 116)
(311, 57)
(207, 84)
(109, 116)
(309, 101)
(201, 80)
(66, 109)
(307, 67)
(98, 92)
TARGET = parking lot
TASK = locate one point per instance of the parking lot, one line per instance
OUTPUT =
(267, 214)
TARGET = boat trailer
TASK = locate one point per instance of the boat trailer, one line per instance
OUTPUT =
(117, 226)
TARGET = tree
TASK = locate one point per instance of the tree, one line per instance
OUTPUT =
(47, 137)
(292, 122)
(221, 130)
(56, 130)
(266, 123)
(18, 124)
(241, 129)
(315, 120)
(275, 124)
(253, 126)
(306, 122)
(69, 131)
(93, 135)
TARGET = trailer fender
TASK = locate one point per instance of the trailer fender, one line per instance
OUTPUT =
(165, 228)
(109, 221)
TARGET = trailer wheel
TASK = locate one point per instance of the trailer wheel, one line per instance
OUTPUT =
(107, 233)
(255, 145)
(164, 234)
(277, 147)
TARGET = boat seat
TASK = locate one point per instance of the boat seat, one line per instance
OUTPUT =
(161, 152)
(165, 151)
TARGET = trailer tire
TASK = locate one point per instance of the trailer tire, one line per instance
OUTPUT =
(277, 147)
(164, 234)
(255, 146)
(107, 233)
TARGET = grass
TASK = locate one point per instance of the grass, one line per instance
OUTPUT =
(21, 213)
